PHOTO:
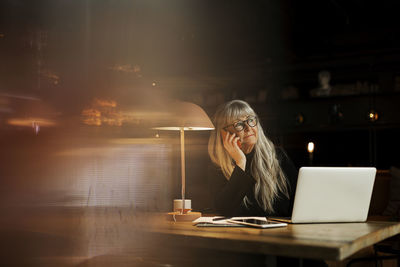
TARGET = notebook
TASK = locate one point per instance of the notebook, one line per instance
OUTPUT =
(332, 194)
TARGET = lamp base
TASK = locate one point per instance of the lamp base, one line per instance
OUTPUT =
(178, 217)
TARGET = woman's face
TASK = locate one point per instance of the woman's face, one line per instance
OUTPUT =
(249, 135)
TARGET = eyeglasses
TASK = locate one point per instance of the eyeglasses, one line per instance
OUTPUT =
(239, 125)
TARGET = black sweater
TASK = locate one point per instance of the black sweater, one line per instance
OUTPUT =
(228, 194)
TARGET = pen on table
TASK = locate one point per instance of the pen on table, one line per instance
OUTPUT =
(221, 218)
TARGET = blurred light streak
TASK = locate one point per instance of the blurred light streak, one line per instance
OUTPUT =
(104, 103)
(127, 68)
(107, 112)
(29, 122)
(36, 127)
(91, 117)
(102, 111)
(26, 97)
(54, 78)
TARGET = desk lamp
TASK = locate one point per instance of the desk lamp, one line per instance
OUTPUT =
(184, 116)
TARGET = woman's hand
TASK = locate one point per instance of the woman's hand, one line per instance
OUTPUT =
(230, 141)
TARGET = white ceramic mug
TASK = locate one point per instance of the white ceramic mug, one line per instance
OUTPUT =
(178, 205)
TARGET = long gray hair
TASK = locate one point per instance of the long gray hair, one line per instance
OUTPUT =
(264, 168)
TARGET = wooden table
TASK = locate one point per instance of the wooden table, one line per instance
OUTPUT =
(331, 241)
(118, 237)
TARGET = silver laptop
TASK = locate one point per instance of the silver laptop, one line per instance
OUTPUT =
(332, 194)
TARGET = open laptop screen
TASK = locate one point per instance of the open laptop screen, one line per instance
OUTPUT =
(333, 194)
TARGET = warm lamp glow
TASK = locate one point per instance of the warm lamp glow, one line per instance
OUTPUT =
(373, 115)
(310, 147)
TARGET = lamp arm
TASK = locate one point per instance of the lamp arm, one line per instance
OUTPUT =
(183, 167)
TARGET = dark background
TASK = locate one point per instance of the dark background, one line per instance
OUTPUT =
(59, 57)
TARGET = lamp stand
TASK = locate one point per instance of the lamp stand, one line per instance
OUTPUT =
(183, 215)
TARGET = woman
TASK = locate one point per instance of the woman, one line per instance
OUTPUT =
(251, 177)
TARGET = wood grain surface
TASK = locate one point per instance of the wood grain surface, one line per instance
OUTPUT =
(77, 237)
(335, 241)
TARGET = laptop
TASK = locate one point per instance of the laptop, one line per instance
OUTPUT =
(332, 194)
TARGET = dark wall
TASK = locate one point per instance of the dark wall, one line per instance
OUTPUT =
(99, 69)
